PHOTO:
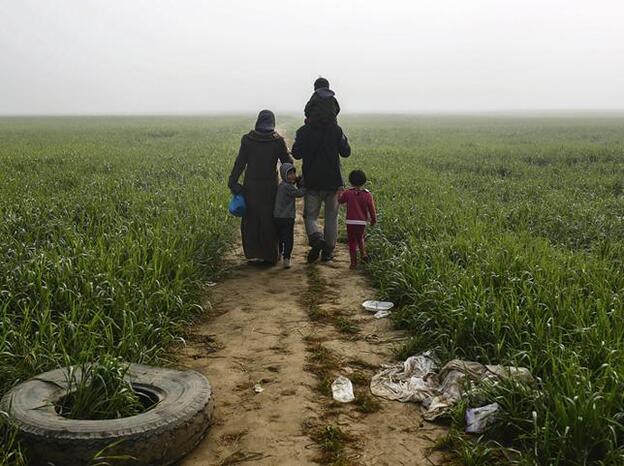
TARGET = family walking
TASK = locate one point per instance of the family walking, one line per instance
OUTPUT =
(267, 227)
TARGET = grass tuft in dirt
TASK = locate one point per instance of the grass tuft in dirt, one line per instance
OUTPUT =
(318, 291)
(313, 297)
(345, 325)
(323, 363)
(359, 378)
(317, 314)
(332, 441)
(414, 345)
(365, 403)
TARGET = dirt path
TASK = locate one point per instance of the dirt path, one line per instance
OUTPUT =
(291, 332)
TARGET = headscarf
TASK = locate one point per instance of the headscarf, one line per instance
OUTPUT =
(265, 122)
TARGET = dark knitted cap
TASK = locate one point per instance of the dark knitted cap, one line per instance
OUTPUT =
(320, 82)
(265, 122)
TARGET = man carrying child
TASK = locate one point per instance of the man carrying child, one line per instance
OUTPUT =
(320, 143)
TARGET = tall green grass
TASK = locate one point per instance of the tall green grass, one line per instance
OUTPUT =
(109, 228)
(10, 450)
(99, 390)
(502, 240)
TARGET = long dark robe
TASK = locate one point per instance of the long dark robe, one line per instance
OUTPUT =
(257, 157)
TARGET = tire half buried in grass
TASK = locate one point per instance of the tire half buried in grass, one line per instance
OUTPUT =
(164, 433)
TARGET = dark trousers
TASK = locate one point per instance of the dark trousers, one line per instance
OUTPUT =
(285, 228)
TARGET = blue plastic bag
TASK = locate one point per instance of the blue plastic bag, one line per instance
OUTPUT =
(237, 205)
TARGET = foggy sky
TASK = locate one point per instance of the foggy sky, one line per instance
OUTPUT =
(161, 56)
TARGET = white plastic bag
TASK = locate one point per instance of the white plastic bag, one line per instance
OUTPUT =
(478, 419)
(374, 306)
(342, 390)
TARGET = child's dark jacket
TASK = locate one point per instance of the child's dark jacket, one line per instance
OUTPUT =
(322, 108)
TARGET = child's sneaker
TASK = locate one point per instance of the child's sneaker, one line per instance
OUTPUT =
(353, 262)
(286, 263)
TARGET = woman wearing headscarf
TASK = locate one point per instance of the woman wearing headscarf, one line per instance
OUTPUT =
(259, 152)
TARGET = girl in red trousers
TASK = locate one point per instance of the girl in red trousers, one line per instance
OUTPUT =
(360, 209)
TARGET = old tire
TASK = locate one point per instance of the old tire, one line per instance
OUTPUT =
(160, 436)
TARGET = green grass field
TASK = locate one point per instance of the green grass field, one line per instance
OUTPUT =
(501, 237)
(109, 227)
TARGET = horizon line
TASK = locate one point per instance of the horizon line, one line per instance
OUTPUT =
(451, 112)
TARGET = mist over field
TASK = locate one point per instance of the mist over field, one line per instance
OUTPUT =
(491, 134)
(88, 57)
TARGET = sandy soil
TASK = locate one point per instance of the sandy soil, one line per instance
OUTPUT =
(263, 329)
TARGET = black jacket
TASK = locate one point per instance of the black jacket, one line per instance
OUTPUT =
(322, 108)
(320, 149)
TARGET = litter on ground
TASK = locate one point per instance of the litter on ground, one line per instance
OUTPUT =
(418, 379)
(381, 314)
(258, 388)
(479, 419)
(342, 390)
(374, 306)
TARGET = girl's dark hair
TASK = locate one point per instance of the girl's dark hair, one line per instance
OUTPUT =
(357, 178)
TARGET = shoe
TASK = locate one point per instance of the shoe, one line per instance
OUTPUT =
(315, 250)
(286, 263)
(353, 262)
(327, 254)
(366, 259)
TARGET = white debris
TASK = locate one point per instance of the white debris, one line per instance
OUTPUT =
(342, 390)
(479, 419)
(381, 314)
(374, 306)
(258, 388)
(417, 379)
(406, 381)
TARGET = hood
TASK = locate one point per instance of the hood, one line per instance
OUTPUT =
(265, 122)
(325, 92)
(260, 136)
(284, 169)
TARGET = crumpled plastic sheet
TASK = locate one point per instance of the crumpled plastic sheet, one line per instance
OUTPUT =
(417, 379)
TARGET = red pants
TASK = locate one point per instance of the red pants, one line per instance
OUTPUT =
(355, 235)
